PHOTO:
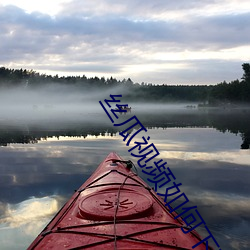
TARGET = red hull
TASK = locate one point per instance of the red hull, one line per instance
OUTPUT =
(141, 220)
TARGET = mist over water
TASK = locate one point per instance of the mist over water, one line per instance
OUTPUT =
(65, 103)
(55, 102)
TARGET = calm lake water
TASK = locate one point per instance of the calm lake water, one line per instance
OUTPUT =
(45, 158)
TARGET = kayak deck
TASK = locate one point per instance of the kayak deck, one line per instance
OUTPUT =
(115, 209)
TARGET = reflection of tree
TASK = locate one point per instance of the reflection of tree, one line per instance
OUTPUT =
(19, 135)
(232, 121)
(16, 137)
(246, 141)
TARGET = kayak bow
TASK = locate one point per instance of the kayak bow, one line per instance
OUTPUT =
(115, 209)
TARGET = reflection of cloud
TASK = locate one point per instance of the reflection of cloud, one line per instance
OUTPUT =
(26, 220)
(229, 204)
(2, 209)
(226, 215)
(29, 212)
(236, 157)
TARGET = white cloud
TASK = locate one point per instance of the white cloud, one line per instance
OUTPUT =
(45, 6)
(150, 41)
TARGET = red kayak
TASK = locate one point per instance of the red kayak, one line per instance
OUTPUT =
(115, 209)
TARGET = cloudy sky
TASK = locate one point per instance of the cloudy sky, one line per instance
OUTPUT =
(157, 41)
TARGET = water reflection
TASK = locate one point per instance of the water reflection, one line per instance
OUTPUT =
(234, 121)
(36, 179)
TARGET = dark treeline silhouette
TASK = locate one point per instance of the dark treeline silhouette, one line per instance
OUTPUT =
(236, 91)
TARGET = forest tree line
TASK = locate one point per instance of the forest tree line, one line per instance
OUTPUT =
(236, 91)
